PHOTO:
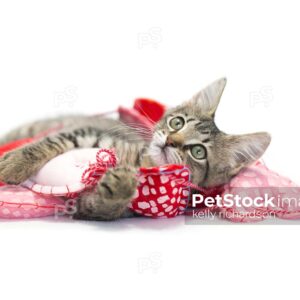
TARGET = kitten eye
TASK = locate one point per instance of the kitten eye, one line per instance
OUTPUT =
(177, 123)
(198, 151)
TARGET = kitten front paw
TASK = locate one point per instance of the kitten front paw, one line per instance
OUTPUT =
(16, 167)
(118, 184)
(109, 200)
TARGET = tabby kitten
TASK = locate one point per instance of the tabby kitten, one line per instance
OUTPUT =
(187, 134)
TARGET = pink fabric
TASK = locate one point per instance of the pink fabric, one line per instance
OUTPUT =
(257, 180)
(17, 202)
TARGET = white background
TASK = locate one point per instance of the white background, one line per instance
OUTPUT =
(90, 56)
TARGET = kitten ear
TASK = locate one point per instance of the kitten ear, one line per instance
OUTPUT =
(207, 100)
(245, 149)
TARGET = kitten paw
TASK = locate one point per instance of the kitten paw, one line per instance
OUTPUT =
(118, 184)
(15, 167)
(110, 198)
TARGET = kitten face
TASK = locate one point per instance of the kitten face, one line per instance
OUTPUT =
(193, 144)
(188, 135)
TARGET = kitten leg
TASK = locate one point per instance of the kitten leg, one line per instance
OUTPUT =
(110, 198)
(18, 165)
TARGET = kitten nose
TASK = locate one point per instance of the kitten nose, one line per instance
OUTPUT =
(174, 140)
(169, 142)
